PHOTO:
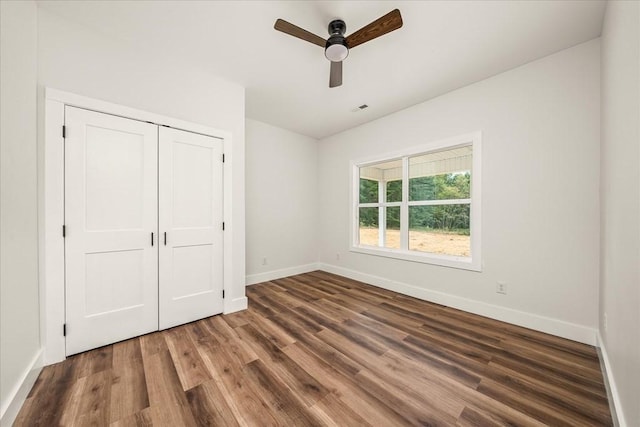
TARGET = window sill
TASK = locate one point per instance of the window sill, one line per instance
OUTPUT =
(450, 261)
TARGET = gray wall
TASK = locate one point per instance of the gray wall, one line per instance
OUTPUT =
(19, 307)
(620, 203)
(540, 128)
(74, 59)
(282, 200)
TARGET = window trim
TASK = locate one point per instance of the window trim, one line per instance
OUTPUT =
(474, 262)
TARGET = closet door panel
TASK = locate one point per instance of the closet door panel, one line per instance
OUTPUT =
(190, 213)
(110, 213)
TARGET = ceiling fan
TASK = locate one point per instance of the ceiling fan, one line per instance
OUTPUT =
(336, 47)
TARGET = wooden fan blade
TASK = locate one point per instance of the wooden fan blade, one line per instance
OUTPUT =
(335, 75)
(381, 26)
(292, 30)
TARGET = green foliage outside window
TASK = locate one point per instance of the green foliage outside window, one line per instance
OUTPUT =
(440, 217)
(368, 191)
(368, 194)
(452, 218)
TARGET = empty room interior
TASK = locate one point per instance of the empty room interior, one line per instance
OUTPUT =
(320, 213)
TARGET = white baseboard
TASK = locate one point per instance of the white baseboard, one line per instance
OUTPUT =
(547, 325)
(616, 412)
(236, 304)
(15, 400)
(252, 279)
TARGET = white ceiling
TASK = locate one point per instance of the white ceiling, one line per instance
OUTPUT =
(442, 46)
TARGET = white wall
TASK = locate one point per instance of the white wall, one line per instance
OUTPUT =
(540, 195)
(19, 308)
(74, 59)
(620, 195)
(282, 202)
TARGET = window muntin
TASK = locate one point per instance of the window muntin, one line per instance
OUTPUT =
(424, 207)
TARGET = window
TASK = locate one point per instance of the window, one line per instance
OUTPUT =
(421, 205)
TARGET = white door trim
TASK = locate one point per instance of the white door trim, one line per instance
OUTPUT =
(51, 209)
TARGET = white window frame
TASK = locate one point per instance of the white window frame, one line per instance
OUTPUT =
(473, 262)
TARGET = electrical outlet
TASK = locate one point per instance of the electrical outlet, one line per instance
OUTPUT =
(338, 256)
(264, 261)
(605, 322)
(501, 288)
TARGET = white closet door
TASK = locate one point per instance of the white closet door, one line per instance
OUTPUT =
(110, 212)
(190, 214)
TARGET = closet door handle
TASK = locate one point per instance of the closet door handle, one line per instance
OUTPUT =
(165, 238)
(152, 238)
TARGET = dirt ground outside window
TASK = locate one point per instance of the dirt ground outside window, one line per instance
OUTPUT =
(439, 242)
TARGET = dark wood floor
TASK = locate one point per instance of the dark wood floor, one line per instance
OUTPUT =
(319, 349)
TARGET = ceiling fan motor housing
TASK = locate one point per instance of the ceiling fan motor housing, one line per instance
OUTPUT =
(336, 48)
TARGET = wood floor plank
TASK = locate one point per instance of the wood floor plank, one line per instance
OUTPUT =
(463, 327)
(229, 337)
(285, 405)
(463, 347)
(398, 321)
(186, 359)
(549, 412)
(243, 400)
(152, 344)
(209, 406)
(344, 386)
(89, 402)
(335, 413)
(472, 417)
(308, 389)
(596, 412)
(408, 402)
(271, 331)
(236, 319)
(534, 338)
(128, 390)
(472, 337)
(142, 418)
(278, 307)
(166, 394)
(441, 386)
(426, 385)
(93, 361)
(320, 349)
(553, 374)
(417, 315)
(302, 290)
(336, 310)
(585, 367)
(256, 304)
(340, 362)
(464, 370)
(41, 409)
(350, 303)
(575, 395)
(220, 328)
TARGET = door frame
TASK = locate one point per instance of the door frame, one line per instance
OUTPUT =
(51, 208)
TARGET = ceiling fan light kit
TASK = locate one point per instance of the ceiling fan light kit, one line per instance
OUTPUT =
(336, 52)
(336, 47)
